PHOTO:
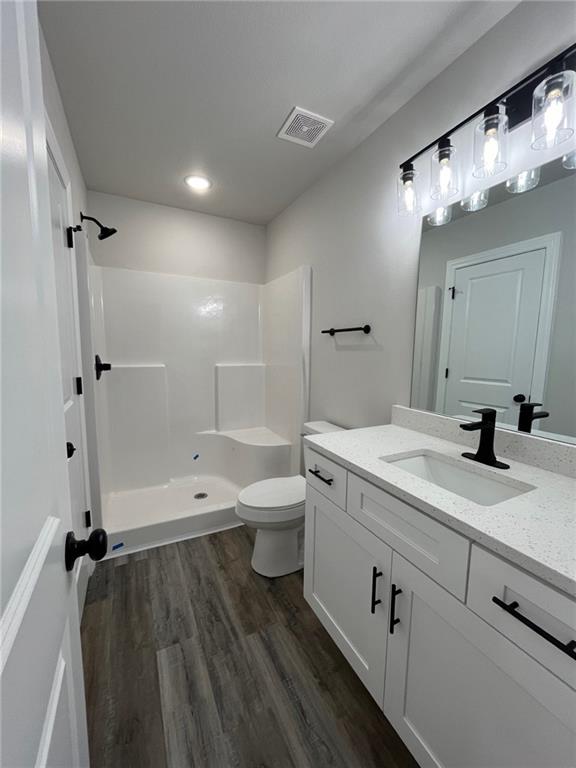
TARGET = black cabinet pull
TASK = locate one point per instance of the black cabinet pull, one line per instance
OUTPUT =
(316, 473)
(70, 450)
(373, 601)
(393, 620)
(568, 648)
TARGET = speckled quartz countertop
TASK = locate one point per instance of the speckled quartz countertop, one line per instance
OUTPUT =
(536, 530)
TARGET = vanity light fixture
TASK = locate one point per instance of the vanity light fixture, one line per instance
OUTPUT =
(198, 183)
(444, 171)
(552, 110)
(476, 201)
(440, 216)
(569, 161)
(490, 143)
(408, 193)
(524, 181)
(546, 95)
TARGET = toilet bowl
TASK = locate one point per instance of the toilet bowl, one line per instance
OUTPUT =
(275, 508)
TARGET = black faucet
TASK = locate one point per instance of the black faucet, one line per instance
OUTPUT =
(485, 453)
(527, 416)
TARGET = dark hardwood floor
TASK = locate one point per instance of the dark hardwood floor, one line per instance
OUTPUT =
(192, 659)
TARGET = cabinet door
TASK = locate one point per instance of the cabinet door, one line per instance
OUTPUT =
(463, 696)
(346, 571)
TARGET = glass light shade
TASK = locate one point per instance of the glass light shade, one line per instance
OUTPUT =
(444, 173)
(553, 110)
(408, 192)
(442, 215)
(490, 146)
(569, 161)
(525, 181)
(476, 201)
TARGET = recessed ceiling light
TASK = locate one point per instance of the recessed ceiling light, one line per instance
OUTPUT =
(198, 183)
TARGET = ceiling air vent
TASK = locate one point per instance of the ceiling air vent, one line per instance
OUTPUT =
(303, 127)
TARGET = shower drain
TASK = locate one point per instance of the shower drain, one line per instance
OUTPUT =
(201, 495)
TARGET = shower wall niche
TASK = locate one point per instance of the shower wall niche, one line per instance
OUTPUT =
(209, 379)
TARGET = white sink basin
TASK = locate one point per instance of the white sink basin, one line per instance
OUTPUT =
(471, 482)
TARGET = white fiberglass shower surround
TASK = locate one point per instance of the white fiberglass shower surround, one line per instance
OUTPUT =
(207, 393)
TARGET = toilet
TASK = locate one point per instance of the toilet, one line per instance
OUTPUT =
(275, 508)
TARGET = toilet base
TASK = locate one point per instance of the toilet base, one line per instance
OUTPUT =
(278, 552)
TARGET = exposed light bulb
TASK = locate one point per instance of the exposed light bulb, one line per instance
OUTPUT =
(552, 110)
(409, 196)
(444, 171)
(445, 176)
(553, 115)
(491, 151)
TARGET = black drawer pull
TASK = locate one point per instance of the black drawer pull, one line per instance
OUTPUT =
(316, 473)
(568, 648)
(393, 620)
(373, 601)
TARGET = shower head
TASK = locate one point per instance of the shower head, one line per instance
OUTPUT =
(104, 231)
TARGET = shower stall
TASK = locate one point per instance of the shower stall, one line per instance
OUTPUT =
(206, 393)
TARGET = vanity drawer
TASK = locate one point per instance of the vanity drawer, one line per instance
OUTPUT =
(547, 610)
(431, 546)
(326, 476)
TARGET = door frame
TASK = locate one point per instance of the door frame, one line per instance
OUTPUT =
(551, 244)
(84, 567)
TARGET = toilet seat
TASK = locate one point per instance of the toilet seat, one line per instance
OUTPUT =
(280, 499)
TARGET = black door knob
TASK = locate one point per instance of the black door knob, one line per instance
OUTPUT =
(519, 398)
(70, 450)
(95, 546)
(99, 366)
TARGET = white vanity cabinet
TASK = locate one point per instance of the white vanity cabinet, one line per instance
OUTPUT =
(462, 684)
(347, 583)
(460, 695)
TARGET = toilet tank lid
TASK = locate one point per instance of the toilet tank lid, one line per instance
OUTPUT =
(320, 427)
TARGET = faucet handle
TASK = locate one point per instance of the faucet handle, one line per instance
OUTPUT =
(488, 419)
(488, 412)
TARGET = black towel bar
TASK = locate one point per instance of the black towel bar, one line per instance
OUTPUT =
(332, 331)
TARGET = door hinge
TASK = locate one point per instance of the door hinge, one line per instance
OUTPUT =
(446, 373)
(452, 290)
(88, 518)
(79, 389)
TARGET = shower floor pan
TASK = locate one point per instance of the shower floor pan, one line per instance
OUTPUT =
(181, 509)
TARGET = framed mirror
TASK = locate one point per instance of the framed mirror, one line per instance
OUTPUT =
(496, 308)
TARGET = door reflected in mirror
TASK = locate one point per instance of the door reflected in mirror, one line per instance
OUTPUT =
(496, 309)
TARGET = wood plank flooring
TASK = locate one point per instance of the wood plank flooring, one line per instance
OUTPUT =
(192, 660)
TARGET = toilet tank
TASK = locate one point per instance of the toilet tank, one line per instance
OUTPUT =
(316, 428)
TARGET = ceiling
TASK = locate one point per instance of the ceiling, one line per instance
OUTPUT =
(154, 91)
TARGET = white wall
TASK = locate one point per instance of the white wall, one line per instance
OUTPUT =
(364, 256)
(158, 238)
(542, 211)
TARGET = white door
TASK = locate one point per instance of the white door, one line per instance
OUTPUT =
(460, 695)
(70, 364)
(42, 696)
(347, 583)
(494, 334)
